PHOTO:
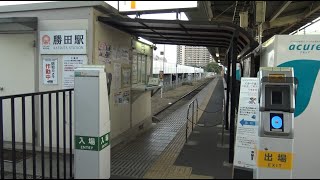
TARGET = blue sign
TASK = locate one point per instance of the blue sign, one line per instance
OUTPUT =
(249, 123)
(276, 122)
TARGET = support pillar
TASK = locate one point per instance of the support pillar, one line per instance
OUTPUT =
(228, 89)
(92, 123)
(234, 55)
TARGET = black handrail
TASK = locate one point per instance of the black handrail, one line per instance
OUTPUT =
(192, 123)
(34, 94)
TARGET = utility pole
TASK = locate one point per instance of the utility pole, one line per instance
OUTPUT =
(164, 57)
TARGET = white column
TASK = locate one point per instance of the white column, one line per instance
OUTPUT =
(92, 123)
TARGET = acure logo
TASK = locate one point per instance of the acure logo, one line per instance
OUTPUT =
(304, 47)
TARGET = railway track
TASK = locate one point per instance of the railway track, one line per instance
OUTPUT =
(157, 117)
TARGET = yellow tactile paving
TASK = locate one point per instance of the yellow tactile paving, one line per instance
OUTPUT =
(194, 176)
(155, 174)
(163, 167)
(180, 171)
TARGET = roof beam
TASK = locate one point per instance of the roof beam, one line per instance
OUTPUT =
(207, 7)
(194, 39)
(308, 12)
(188, 38)
(180, 30)
(283, 21)
(159, 21)
(185, 30)
(212, 44)
(220, 35)
(191, 43)
(18, 20)
(172, 28)
(216, 17)
(280, 10)
(234, 12)
(153, 30)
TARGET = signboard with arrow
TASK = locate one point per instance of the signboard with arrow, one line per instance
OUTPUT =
(247, 124)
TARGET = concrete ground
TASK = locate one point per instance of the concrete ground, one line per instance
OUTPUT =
(29, 163)
(203, 152)
(145, 156)
(202, 157)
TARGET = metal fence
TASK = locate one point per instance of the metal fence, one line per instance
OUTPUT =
(169, 86)
(193, 119)
(30, 125)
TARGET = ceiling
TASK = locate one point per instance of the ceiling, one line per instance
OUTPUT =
(190, 33)
(281, 17)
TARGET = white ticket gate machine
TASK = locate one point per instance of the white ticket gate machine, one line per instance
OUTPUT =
(276, 128)
(92, 123)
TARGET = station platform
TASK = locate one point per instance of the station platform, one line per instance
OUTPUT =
(162, 152)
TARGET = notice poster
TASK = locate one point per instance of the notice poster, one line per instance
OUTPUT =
(122, 97)
(134, 58)
(118, 58)
(134, 73)
(118, 97)
(49, 70)
(71, 62)
(104, 51)
(134, 68)
(114, 51)
(247, 124)
(117, 75)
(126, 77)
(126, 97)
(124, 55)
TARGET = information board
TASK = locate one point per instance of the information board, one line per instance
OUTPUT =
(247, 124)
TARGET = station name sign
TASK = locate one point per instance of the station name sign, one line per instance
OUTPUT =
(63, 42)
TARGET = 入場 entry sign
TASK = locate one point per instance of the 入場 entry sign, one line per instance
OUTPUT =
(92, 143)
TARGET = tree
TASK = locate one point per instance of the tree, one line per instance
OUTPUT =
(212, 67)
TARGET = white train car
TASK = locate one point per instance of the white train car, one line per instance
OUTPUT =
(302, 52)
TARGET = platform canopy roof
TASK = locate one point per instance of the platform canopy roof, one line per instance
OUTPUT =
(190, 33)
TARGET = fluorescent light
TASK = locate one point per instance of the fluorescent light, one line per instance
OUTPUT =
(132, 16)
(316, 19)
(161, 16)
(292, 33)
(145, 41)
(217, 54)
(305, 25)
